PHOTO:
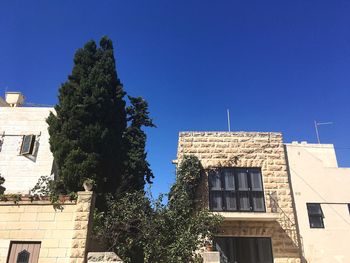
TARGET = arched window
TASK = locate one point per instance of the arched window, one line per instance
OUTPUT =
(23, 256)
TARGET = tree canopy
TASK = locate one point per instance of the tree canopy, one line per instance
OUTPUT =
(94, 134)
(172, 232)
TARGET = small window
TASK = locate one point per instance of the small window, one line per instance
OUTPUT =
(315, 215)
(349, 208)
(23, 256)
(27, 144)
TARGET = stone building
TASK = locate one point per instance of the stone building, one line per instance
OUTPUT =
(247, 182)
(322, 201)
(24, 144)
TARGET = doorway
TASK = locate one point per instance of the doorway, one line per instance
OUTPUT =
(23, 252)
(244, 249)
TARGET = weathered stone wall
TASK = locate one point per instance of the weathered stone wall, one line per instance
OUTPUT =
(250, 149)
(62, 232)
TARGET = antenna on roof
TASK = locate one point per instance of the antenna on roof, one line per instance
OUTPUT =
(228, 120)
(316, 128)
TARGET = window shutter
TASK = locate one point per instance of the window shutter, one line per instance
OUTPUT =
(242, 177)
(231, 202)
(216, 201)
(244, 203)
(215, 181)
(229, 179)
(256, 180)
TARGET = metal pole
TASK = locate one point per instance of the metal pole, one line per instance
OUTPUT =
(228, 120)
(318, 137)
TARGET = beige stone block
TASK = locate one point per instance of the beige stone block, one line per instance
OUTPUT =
(77, 253)
(81, 216)
(28, 216)
(32, 208)
(47, 260)
(80, 225)
(7, 209)
(46, 216)
(23, 225)
(79, 207)
(63, 260)
(61, 234)
(86, 207)
(50, 243)
(56, 252)
(5, 217)
(84, 196)
(69, 207)
(47, 209)
(79, 234)
(27, 234)
(48, 233)
(43, 252)
(75, 243)
(66, 243)
(47, 225)
(64, 225)
(62, 216)
(3, 225)
(82, 243)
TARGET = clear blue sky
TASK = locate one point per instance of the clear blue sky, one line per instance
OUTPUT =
(277, 65)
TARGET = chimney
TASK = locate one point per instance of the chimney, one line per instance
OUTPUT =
(14, 99)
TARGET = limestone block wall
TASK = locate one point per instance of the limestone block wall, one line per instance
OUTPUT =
(264, 150)
(63, 233)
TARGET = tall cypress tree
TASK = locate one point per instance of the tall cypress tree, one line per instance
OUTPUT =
(86, 132)
(136, 172)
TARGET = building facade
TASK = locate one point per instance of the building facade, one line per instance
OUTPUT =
(247, 182)
(24, 144)
(322, 201)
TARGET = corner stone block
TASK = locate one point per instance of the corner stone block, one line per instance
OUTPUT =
(211, 257)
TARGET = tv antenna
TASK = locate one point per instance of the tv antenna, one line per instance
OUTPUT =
(316, 128)
(228, 120)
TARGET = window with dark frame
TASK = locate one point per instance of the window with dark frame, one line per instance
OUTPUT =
(315, 213)
(236, 189)
(244, 249)
(27, 146)
(349, 208)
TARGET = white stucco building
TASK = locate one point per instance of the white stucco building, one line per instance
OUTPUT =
(322, 201)
(24, 144)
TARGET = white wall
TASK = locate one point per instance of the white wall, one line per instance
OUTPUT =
(316, 178)
(22, 172)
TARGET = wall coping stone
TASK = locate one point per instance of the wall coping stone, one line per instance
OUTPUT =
(101, 257)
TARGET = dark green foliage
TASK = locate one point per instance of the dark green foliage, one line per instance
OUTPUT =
(136, 170)
(190, 225)
(2, 189)
(125, 225)
(86, 132)
(167, 233)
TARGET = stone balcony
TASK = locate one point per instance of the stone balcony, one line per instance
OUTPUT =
(248, 216)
